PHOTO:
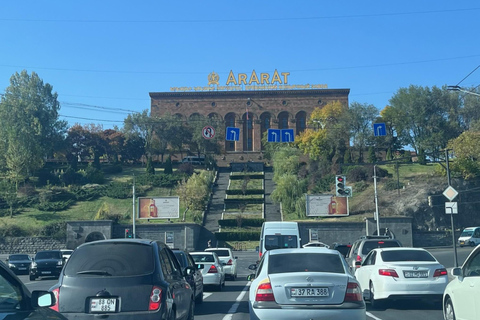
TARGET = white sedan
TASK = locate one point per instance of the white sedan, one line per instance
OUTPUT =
(212, 271)
(396, 273)
(304, 283)
(460, 300)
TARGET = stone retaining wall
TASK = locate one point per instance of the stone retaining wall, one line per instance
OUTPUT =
(27, 245)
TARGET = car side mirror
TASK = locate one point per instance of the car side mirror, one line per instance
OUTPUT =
(42, 298)
(456, 272)
(200, 266)
(253, 266)
(189, 271)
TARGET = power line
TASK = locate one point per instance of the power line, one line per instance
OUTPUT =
(248, 19)
(469, 74)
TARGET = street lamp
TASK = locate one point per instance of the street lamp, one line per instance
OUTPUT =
(458, 88)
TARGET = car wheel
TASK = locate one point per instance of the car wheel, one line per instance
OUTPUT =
(199, 298)
(172, 315)
(32, 278)
(376, 304)
(448, 312)
(472, 244)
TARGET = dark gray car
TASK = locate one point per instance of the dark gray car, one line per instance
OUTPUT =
(46, 263)
(19, 263)
(196, 279)
(124, 279)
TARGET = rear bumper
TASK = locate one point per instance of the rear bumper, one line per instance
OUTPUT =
(46, 272)
(419, 289)
(116, 316)
(288, 312)
(212, 279)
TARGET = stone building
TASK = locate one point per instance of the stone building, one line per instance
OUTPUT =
(252, 111)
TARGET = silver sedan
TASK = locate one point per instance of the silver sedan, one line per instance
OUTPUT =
(304, 283)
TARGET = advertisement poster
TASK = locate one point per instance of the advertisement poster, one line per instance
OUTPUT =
(326, 205)
(159, 208)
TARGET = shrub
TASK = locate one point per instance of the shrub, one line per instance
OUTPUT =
(360, 186)
(54, 206)
(168, 166)
(56, 230)
(94, 175)
(356, 173)
(46, 177)
(186, 168)
(119, 190)
(70, 177)
(392, 185)
(86, 194)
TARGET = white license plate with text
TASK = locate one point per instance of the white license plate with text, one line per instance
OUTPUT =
(415, 274)
(103, 305)
(309, 292)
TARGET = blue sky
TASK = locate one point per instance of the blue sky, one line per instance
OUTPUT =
(104, 57)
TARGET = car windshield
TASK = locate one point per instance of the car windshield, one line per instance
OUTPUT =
(19, 257)
(221, 253)
(203, 258)
(111, 258)
(468, 233)
(48, 255)
(280, 241)
(305, 262)
(181, 258)
(406, 255)
(370, 245)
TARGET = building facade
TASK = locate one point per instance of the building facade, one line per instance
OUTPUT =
(254, 112)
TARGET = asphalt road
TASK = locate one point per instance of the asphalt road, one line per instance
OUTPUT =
(231, 302)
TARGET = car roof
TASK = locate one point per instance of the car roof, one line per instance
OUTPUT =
(121, 240)
(303, 250)
(208, 249)
(202, 252)
(399, 249)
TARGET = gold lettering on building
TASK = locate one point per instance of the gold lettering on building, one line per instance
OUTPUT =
(253, 78)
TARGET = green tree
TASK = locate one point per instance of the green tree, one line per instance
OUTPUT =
(29, 125)
(8, 192)
(361, 118)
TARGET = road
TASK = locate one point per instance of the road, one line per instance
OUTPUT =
(231, 302)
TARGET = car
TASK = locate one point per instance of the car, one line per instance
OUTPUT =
(401, 273)
(47, 263)
(344, 249)
(19, 263)
(469, 237)
(304, 283)
(460, 299)
(66, 253)
(17, 302)
(315, 244)
(228, 260)
(361, 247)
(124, 279)
(196, 279)
(213, 273)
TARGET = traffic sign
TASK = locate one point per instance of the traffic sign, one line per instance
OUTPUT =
(379, 129)
(288, 135)
(232, 134)
(450, 193)
(208, 132)
(273, 135)
(451, 208)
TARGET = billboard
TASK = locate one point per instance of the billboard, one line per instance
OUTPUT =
(159, 208)
(326, 205)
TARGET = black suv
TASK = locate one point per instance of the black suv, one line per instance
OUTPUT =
(195, 279)
(19, 263)
(46, 264)
(124, 279)
(361, 247)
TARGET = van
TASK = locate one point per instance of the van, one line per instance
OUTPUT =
(277, 235)
(194, 160)
(470, 237)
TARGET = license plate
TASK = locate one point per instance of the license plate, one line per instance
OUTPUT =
(22, 268)
(462, 242)
(415, 274)
(103, 305)
(46, 272)
(309, 292)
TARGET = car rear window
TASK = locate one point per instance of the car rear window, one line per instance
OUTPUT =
(221, 253)
(280, 241)
(112, 258)
(48, 255)
(370, 245)
(406, 255)
(199, 258)
(305, 262)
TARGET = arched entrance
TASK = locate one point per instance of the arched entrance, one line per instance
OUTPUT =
(94, 236)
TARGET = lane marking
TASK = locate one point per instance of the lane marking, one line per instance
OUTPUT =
(372, 316)
(234, 307)
(206, 295)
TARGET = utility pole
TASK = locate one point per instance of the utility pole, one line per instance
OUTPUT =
(455, 260)
(376, 198)
(133, 209)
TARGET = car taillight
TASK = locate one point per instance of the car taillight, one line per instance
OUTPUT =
(212, 269)
(155, 299)
(260, 255)
(440, 272)
(353, 292)
(264, 292)
(230, 262)
(388, 272)
(358, 259)
(56, 293)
